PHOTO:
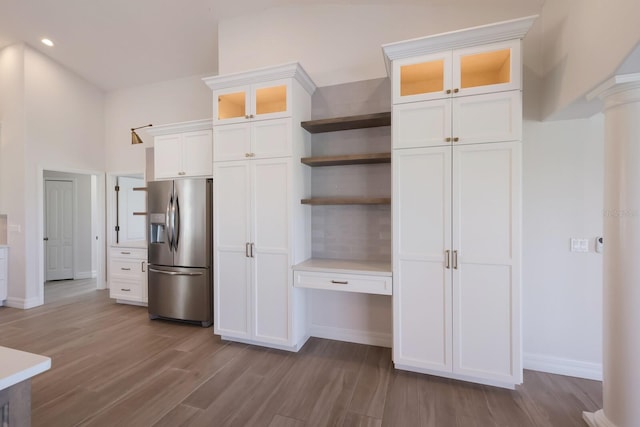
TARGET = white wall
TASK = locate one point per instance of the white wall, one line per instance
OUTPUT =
(166, 102)
(584, 42)
(56, 122)
(339, 43)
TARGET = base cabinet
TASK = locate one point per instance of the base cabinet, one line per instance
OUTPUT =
(457, 261)
(128, 275)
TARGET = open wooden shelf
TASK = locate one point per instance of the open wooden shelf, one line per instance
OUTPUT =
(347, 201)
(349, 159)
(347, 123)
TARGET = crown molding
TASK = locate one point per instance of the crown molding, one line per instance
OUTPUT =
(618, 89)
(170, 128)
(292, 70)
(475, 36)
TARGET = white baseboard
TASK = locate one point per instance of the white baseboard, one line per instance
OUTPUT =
(23, 303)
(86, 275)
(560, 366)
(351, 335)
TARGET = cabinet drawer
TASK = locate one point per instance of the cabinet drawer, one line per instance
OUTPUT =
(129, 253)
(368, 284)
(126, 289)
(134, 269)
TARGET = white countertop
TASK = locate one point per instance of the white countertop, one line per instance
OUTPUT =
(345, 266)
(17, 366)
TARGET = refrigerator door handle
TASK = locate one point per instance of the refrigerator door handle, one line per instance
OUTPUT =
(174, 273)
(176, 223)
(167, 222)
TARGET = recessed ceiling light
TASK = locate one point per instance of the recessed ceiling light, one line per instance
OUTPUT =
(47, 42)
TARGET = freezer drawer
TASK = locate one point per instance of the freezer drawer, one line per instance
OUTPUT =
(181, 293)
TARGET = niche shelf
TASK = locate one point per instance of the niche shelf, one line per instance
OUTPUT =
(349, 159)
(346, 123)
(347, 201)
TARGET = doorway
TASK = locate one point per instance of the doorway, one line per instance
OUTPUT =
(71, 226)
(59, 201)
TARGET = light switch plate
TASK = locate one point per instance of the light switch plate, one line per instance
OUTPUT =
(579, 245)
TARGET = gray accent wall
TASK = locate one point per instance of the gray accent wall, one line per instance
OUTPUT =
(358, 232)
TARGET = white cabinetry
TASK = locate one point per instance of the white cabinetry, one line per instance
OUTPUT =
(128, 274)
(4, 272)
(182, 149)
(259, 223)
(457, 204)
(256, 101)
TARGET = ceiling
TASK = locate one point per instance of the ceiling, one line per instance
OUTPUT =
(116, 44)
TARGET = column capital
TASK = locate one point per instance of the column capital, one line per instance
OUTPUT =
(619, 89)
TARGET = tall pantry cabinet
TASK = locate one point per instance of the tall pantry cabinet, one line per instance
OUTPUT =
(260, 230)
(456, 130)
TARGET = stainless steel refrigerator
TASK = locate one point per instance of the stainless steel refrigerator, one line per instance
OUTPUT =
(180, 248)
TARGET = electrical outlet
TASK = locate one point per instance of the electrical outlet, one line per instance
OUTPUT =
(579, 245)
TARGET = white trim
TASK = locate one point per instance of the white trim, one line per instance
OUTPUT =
(475, 36)
(561, 366)
(169, 128)
(352, 335)
(597, 419)
(85, 275)
(447, 374)
(609, 86)
(266, 74)
(23, 303)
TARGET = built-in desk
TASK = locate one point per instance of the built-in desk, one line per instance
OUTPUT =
(369, 277)
(16, 370)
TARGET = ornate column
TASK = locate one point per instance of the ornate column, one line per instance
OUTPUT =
(621, 340)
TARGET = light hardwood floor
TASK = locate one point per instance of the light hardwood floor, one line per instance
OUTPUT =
(112, 366)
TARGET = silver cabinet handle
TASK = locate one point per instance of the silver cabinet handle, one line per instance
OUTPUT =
(142, 266)
(246, 250)
(251, 246)
(340, 282)
(125, 289)
(174, 273)
(455, 260)
(125, 253)
(447, 254)
(125, 268)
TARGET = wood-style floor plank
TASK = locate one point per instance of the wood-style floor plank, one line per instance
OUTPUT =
(111, 365)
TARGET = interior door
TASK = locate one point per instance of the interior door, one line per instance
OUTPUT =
(58, 229)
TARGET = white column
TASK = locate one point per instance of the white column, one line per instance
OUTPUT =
(621, 340)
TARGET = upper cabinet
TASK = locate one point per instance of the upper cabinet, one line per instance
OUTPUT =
(252, 102)
(459, 72)
(183, 150)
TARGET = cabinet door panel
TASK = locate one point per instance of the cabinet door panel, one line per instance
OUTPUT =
(231, 142)
(231, 266)
(231, 105)
(271, 138)
(422, 234)
(197, 159)
(486, 234)
(271, 237)
(271, 100)
(422, 124)
(167, 156)
(495, 117)
(422, 78)
(488, 68)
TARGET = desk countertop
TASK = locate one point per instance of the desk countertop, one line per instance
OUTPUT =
(17, 366)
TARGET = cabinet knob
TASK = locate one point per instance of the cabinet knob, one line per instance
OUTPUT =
(456, 90)
(251, 116)
(456, 139)
(448, 91)
(182, 173)
(447, 139)
(246, 116)
(247, 154)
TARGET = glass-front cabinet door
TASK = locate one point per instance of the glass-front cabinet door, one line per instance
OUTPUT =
(271, 100)
(230, 105)
(488, 68)
(422, 78)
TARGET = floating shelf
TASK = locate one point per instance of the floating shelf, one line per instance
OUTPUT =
(347, 201)
(347, 123)
(349, 159)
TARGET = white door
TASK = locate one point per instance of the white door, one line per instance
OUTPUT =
(232, 263)
(271, 270)
(197, 153)
(422, 124)
(58, 230)
(167, 156)
(271, 138)
(232, 142)
(131, 226)
(486, 283)
(422, 275)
